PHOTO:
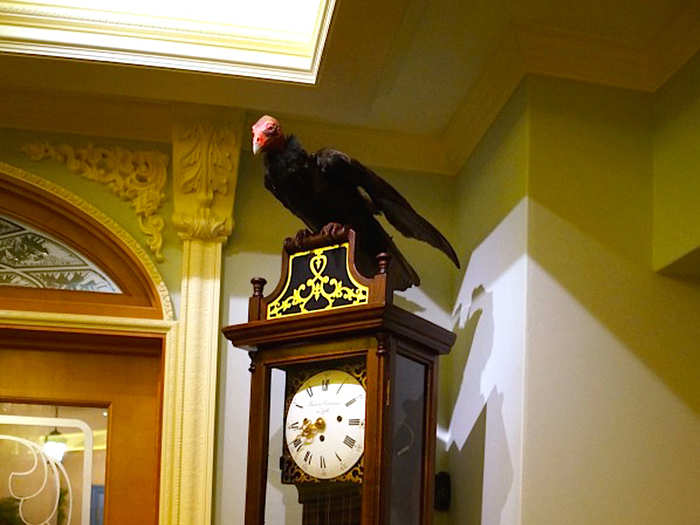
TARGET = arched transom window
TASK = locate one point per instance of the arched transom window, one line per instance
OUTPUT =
(35, 259)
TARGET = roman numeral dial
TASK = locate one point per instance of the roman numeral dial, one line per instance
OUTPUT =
(325, 424)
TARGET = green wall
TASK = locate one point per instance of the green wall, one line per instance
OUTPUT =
(480, 405)
(495, 177)
(612, 396)
(605, 347)
(676, 152)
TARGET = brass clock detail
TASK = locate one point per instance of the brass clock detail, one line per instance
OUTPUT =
(343, 392)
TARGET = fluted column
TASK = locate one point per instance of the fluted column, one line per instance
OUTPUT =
(205, 169)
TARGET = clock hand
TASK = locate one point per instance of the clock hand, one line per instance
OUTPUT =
(309, 429)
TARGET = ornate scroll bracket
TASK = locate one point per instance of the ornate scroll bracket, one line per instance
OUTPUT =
(205, 169)
(137, 177)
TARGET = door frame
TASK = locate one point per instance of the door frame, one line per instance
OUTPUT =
(103, 378)
(154, 320)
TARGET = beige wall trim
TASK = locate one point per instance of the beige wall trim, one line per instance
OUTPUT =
(528, 49)
(95, 116)
(483, 102)
(205, 170)
(675, 46)
(84, 322)
(583, 57)
(190, 397)
(373, 147)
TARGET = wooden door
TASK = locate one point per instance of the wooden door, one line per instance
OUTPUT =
(119, 372)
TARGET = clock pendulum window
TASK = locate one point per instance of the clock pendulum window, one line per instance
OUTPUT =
(343, 394)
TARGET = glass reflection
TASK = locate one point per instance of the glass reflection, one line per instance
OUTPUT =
(52, 459)
(409, 430)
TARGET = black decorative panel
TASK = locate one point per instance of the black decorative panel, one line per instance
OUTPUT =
(318, 280)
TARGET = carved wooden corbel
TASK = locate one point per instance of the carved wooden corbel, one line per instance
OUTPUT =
(205, 169)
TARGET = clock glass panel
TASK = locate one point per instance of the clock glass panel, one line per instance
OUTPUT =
(317, 440)
(408, 414)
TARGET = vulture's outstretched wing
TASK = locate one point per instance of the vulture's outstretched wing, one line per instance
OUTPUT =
(383, 198)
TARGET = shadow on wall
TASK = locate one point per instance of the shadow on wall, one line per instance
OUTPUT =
(480, 423)
(471, 357)
(474, 417)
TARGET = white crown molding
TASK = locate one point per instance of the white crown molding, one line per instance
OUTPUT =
(674, 46)
(373, 147)
(524, 49)
(585, 58)
(582, 57)
(482, 103)
(94, 116)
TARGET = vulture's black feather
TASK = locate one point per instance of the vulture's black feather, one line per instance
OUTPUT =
(329, 186)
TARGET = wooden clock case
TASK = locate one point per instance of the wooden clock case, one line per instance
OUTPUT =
(376, 332)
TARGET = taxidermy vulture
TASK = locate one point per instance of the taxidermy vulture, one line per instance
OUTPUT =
(330, 187)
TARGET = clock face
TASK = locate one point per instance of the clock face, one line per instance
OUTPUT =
(325, 424)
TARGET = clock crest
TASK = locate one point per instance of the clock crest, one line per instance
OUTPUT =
(343, 392)
(317, 280)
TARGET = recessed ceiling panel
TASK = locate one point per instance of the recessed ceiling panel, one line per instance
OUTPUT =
(277, 39)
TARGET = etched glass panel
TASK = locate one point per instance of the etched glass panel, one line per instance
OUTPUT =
(34, 259)
(52, 461)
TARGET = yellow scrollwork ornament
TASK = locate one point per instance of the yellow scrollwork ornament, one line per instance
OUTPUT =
(319, 287)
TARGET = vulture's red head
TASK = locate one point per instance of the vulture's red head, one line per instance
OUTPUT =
(267, 134)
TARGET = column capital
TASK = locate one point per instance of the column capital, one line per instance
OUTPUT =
(206, 151)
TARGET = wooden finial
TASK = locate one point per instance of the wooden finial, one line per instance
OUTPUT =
(383, 260)
(258, 285)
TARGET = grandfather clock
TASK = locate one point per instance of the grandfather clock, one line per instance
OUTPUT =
(343, 393)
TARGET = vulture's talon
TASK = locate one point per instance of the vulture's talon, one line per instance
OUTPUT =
(301, 235)
(334, 230)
